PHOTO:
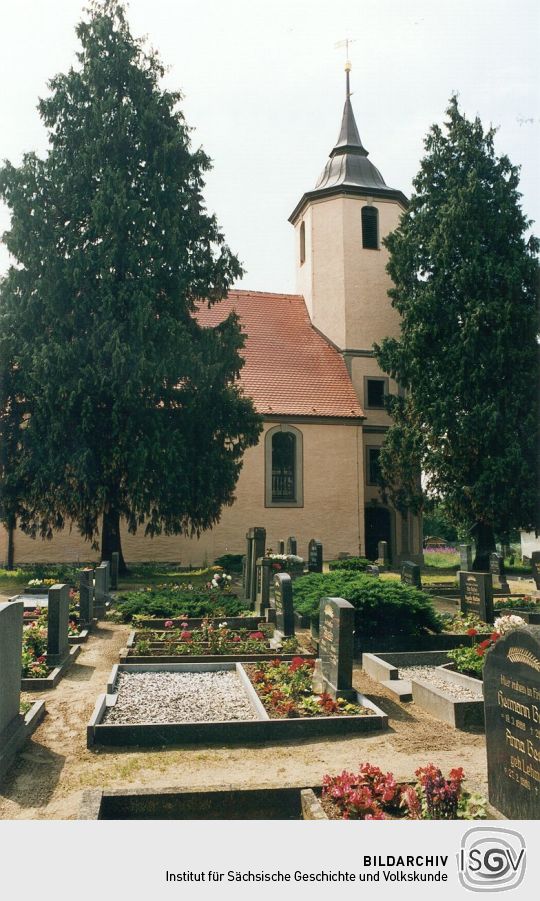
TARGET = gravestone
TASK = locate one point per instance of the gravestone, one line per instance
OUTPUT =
(100, 594)
(58, 624)
(496, 567)
(11, 631)
(115, 565)
(257, 550)
(86, 596)
(465, 557)
(382, 552)
(264, 580)
(315, 556)
(372, 570)
(281, 547)
(106, 564)
(247, 563)
(535, 566)
(292, 545)
(410, 574)
(283, 603)
(244, 569)
(336, 644)
(476, 594)
(512, 718)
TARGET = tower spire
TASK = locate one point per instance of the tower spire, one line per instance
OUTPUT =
(349, 138)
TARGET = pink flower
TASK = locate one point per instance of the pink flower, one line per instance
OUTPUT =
(168, 624)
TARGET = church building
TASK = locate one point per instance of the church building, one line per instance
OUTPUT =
(311, 372)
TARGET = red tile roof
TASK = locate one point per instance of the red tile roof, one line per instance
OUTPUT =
(290, 369)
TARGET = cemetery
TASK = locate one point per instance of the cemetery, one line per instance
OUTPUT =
(379, 661)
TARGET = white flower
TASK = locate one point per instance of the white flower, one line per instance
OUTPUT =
(36, 582)
(222, 625)
(505, 624)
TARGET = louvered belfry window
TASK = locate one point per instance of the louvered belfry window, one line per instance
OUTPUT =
(370, 228)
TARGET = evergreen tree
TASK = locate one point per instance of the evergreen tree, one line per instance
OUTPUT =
(465, 286)
(119, 405)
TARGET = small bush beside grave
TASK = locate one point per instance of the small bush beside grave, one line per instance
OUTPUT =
(350, 564)
(174, 602)
(382, 608)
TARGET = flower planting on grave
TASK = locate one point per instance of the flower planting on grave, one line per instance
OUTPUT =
(34, 652)
(460, 623)
(39, 616)
(470, 659)
(371, 794)
(286, 563)
(382, 608)
(350, 564)
(286, 690)
(525, 602)
(182, 601)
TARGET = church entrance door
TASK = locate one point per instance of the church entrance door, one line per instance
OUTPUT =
(378, 528)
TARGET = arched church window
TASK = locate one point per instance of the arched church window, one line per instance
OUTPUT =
(370, 228)
(283, 460)
(302, 243)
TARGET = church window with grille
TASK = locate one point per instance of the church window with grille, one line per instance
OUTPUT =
(284, 467)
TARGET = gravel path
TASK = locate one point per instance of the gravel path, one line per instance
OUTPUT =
(430, 674)
(180, 698)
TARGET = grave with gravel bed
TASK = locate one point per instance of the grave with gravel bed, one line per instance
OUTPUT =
(209, 703)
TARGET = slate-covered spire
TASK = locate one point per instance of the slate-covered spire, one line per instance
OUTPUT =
(349, 138)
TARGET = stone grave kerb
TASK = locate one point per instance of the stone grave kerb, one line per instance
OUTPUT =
(11, 632)
(58, 624)
(336, 646)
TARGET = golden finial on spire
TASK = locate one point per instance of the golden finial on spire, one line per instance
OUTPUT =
(348, 64)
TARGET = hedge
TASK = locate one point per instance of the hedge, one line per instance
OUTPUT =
(356, 564)
(382, 607)
(163, 604)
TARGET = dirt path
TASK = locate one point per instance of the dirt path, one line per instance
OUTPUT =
(55, 767)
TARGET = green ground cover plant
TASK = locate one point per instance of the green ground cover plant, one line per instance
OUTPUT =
(177, 603)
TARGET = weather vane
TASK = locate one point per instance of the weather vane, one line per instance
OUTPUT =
(348, 65)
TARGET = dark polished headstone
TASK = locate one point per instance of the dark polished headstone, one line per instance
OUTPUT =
(115, 566)
(465, 557)
(292, 545)
(86, 596)
(315, 556)
(101, 596)
(283, 603)
(476, 594)
(336, 646)
(258, 550)
(512, 718)
(57, 624)
(11, 630)
(535, 567)
(410, 574)
(264, 574)
(281, 546)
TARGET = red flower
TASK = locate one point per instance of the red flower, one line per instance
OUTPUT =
(472, 632)
(485, 644)
(494, 636)
(480, 651)
(41, 659)
(256, 636)
(236, 638)
(185, 636)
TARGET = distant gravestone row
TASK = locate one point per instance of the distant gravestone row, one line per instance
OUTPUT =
(512, 720)
(476, 594)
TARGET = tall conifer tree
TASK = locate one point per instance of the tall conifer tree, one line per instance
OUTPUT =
(116, 404)
(466, 288)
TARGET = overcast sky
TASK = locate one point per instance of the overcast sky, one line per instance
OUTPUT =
(263, 89)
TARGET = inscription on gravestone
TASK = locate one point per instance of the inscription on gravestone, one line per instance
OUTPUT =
(283, 602)
(410, 574)
(465, 557)
(535, 566)
(315, 556)
(292, 545)
(476, 594)
(336, 644)
(512, 717)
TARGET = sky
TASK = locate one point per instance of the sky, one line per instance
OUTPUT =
(264, 85)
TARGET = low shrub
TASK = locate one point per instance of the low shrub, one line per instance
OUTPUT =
(165, 603)
(230, 562)
(355, 564)
(382, 608)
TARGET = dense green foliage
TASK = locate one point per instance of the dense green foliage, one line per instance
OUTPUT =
(131, 410)
(437, 524)
(383, 608)
(230, 562)
(355, 564)
(465, 288)
(162, 603)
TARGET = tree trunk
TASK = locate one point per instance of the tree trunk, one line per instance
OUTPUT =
(110, 539)
(484, 540)
(10, 562)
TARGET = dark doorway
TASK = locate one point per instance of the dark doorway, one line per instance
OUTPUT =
(378, 528)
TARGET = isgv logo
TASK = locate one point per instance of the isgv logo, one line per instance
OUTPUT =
(491, 860)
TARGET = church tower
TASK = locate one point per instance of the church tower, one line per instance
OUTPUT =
(341, 273)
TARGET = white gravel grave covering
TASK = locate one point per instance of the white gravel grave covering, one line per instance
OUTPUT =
(430, 674)
(164, 697)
